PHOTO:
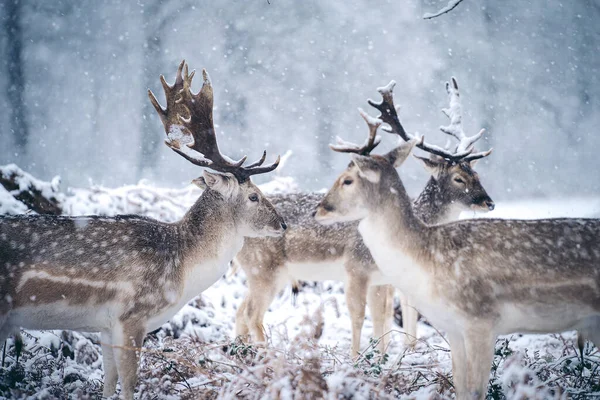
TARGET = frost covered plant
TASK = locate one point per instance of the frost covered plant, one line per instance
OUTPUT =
(372, 360)
(55, 363)
(541, 373)
(192, 357)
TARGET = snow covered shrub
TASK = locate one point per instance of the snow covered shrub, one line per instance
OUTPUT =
(195, 356)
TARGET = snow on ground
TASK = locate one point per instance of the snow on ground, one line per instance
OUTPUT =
(197, 356)
(574, 207)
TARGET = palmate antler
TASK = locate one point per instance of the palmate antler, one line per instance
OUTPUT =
(188, 122)
(463, 151)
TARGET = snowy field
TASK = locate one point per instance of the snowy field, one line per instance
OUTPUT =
(197, 356)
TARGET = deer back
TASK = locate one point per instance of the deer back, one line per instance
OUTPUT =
(49, 259)
(305, 241)
(492, 262)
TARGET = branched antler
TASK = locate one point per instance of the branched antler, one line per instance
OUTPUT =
(372, 141)
(454, 113)
(389, 116)
(188, 123)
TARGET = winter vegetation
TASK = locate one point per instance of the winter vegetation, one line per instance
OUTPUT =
(196, 354)
(75, 78)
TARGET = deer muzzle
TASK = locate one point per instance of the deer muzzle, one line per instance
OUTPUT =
(484, 203)
(323, 212)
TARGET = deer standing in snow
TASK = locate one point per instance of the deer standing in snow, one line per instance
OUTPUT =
(127, 275)
(473, 279)
(309, 251)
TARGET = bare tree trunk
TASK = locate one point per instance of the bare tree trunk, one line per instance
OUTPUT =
(324, 129)
(151, 126)
(490, 17)
(586, 55)
(16, 77)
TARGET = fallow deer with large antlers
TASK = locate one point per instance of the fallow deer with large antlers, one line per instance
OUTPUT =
(473, 279)
(312, 252)
(127, 275)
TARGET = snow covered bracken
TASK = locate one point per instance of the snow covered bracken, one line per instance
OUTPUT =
(196, 355)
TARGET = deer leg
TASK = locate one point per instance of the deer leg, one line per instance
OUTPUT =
(260, 296)
(380, 301)
(110, 368)
(5, 328)
(5, 332)
(588, 330)
(128, 340)
(410, 317)
(459, 365)
(479, 350)
(241, 323)
(581, 345)
(356, 298)
(389, 314)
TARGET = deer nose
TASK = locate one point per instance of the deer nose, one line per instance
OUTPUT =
(490, 205)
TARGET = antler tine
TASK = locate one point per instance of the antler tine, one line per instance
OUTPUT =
(389, 116)
(246, 172)
(260, 161)
(372, 141)
(477, 156)
(188, 122)
(455, 128)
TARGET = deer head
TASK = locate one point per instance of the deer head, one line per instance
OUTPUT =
(458, 184)
(356, 190)
(456, 179)
(188, 123)
(452, 172)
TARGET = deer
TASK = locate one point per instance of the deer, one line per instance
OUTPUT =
(309, 251)
(473, 279)
(127, 275)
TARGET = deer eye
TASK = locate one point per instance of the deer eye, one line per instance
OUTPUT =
(348, 181)
(253, 197)
(458, 180)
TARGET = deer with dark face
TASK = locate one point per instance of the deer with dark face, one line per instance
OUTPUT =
(127, 275)
(454, 187)
(309, 251)
(473, 279)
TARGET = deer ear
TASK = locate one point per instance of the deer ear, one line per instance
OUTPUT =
(364, 169)
(200, 182)
(226, 184)
(398, 155)
(432, 166)
(473, 163)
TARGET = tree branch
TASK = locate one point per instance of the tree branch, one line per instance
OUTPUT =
(449, 7)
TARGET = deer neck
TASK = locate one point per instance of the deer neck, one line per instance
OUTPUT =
(210, 233)
(433, 206)
(392, 231)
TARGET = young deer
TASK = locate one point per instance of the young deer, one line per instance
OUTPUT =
(473, 279)
(313, 252)
(127, 275)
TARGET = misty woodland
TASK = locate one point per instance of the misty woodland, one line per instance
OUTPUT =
(440, 242)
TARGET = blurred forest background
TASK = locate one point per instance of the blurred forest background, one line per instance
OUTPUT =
(290, 75)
